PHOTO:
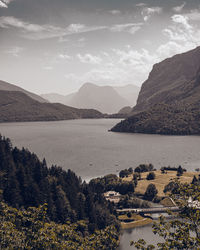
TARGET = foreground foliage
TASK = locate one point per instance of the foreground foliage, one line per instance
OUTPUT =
(31, 229)
(183, 232)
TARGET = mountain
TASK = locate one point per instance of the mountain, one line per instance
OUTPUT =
(169, 100)
(175, 79)
(11, 87)
(129, 92)
(18, 107)
(125, 110)
(58, 98)
(106, 99)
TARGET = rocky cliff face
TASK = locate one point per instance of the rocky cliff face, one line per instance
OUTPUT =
(169, 100)
(176, 79)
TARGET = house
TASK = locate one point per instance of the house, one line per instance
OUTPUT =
(193, 204)
(112, 196)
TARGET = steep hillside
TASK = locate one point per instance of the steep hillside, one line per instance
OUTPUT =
(11, 87)
(17, 106)
(169, 101)
(163, 119)
(173, 80)
(125, 110)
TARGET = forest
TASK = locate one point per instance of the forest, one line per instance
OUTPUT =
(174, 119)
(26, 182)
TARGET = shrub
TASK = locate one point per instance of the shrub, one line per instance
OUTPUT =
(144, 168)
(151, 192)
(151, 176)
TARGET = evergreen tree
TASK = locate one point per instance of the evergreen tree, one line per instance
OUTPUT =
(150, 192)
(194, 180)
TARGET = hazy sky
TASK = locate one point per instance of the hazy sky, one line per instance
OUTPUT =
(57, 45)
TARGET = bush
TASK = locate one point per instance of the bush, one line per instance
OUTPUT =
(180, 171)
(125, 172)
(151, 192)
(144, 168)
(129, 214)
(194, 180)
(151, 176)
(171, 187)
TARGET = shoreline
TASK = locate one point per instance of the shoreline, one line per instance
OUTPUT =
(137, 223)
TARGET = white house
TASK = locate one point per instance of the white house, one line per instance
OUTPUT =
(193, 204)
(112, 196)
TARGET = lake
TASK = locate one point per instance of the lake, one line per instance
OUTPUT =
(137, 233)
(86, 146)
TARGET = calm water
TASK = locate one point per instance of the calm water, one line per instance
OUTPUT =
(87, 147)
(136, 234)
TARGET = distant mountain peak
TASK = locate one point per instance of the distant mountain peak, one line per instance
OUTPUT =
(105, 98)
(88, 84)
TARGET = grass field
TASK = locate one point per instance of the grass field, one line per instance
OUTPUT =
(161, 180)
(137, 220)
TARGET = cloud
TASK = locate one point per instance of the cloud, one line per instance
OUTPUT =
(134, 29)
(14, 51)
(182, 20)
(141, 4)
(117, 67)
(194, 15)
(3, 4)
(181, 30)
(37, 32)
(82, 40)
(103, 76)
(115, 12)
(8, 1)
(128, 65)
(179, 8)
(168, 49)
(88, 58)
(134, 58)
(63, 39)
(10, 21)
(148, 12)
(182, 36)
(48, 68)
(64, 56)
(76, 28)
(128, 27)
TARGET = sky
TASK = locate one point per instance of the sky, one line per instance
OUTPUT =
(54, 46)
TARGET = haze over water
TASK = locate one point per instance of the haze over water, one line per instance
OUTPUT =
(86, 146)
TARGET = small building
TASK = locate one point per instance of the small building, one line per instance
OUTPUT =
(112, 196)
(193, 204)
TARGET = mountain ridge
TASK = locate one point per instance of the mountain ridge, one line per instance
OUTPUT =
(11, 87)
(107, 99)
(16, 106)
